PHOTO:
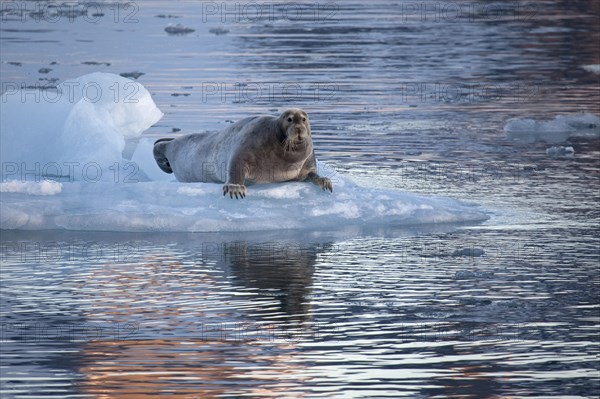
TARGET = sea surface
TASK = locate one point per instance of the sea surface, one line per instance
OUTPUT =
(410, 96)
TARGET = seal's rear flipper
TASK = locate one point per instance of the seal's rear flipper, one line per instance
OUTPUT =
(159, 155)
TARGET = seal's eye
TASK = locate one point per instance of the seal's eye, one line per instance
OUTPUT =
(303, 119)
(290, 119)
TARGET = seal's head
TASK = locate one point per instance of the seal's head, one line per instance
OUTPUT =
(295, 129)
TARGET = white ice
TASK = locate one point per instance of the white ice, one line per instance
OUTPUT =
(560, 151)
(64, 169)
(594, 68)
(86, 120)
(555, 131)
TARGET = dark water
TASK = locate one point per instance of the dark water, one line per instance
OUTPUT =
(409, 98)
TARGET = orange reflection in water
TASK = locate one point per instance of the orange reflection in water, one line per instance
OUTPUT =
(171, 300)
(140, 369)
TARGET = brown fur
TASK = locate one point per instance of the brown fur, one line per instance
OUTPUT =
(260, 149)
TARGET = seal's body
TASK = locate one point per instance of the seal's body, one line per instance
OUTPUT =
(260, 149)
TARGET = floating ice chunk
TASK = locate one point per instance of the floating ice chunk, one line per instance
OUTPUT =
(529, 131)
(219, 31)
(560, 151)
(178, 29)
(132, 75)
(594, 68)
(87, 120)
(138, 196)
(586, 124)
(201, 207)
(553, 131)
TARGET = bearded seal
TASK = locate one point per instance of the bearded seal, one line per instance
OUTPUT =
(258, 149)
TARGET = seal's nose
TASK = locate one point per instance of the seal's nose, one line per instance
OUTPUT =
(301, 133)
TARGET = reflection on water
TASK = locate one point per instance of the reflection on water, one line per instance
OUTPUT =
(413, 312)
(504, 309)
(284, 269)
(186, 369)
(186, 314)
(218, 335)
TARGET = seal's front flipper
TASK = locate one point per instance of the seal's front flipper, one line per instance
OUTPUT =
(237, 173)
(322, 182)
(235, 189)
(159, 155)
